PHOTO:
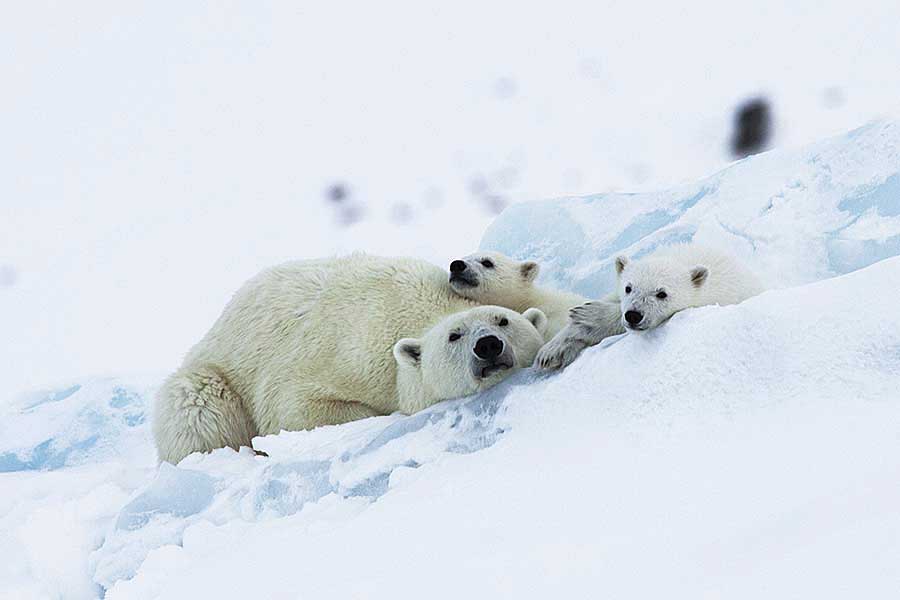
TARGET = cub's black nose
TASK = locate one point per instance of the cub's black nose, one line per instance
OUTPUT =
(489, 347)
(633, 317)
(457, 266)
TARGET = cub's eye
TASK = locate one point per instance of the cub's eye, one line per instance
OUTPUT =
(454, 336)
(488, 263)
(627, 289)
(503, 322)
(662, 295)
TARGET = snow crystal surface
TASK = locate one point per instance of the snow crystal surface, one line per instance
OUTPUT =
(743, 451)
(794, 215)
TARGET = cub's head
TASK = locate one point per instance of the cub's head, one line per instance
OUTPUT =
(653, 289)
(492, 278)
(465, 353)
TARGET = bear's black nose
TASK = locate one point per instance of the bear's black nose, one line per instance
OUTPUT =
(633, 317)
(489, 347)
(457, 266)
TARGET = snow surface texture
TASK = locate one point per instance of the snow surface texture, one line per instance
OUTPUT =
(795, 215)
(744, 451)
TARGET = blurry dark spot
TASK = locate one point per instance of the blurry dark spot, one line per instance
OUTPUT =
(478, 184)
(347, 209)
(752, 128)
(505, 87)
(401, 212)
(8, 276)
(833, 97)
(495, 204)
(337, 192)
(491, 191)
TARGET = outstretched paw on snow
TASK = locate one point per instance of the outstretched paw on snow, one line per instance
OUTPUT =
(559, 352)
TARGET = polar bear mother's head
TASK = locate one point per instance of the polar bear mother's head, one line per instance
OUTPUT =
(465, 353)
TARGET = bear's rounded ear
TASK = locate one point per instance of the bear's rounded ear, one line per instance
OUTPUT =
(699, 275)
(621, 263)
(529, 270)
(537, 318)
(408, 351)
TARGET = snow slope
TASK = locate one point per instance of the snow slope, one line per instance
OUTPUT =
(743, 452)
(795, 215)
(658, 465)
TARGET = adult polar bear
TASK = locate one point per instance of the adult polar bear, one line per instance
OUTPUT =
(321, 342)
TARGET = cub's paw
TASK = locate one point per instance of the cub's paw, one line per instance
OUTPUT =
(590, 314)
(558, 353)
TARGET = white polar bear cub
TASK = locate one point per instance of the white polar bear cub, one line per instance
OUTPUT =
(494, 278)
(323, 342)
(649, 291)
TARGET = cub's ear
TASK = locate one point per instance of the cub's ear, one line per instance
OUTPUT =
(408, 351)
(537, 318)
(621, 263)
(529, 270)
(699, 275)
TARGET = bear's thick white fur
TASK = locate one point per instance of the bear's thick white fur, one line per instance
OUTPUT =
(652, 288)
(312, 343)
(494, 278)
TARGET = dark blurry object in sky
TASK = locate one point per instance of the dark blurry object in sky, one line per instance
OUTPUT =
(752, 128)
(8, 276)
(347, 209)
(337, 192)
(505, 87)
(492, 191)
(833, 97)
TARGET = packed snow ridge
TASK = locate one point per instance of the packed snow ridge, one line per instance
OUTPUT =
(744, 450)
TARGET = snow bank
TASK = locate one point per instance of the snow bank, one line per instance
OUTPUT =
(795, 215)
(78, 423)
(742, 451)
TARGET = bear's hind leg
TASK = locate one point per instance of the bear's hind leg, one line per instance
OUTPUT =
(196, 411)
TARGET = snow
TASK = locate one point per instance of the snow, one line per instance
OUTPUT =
(794, 215)
(743, 452)
(746, 451)
(767, 470)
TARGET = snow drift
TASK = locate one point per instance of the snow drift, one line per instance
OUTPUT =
(740, 451)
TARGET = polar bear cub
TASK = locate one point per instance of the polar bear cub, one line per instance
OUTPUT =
(322, 342)
(649, 291)
(494, 278)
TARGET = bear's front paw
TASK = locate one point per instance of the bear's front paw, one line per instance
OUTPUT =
(558, 354)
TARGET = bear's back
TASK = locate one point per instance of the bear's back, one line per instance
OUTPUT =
(331, 323)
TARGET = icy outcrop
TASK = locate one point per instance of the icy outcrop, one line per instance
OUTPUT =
(795, 215)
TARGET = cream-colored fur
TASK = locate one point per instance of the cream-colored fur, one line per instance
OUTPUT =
(653, 289)
(494, 278)
(311, 343)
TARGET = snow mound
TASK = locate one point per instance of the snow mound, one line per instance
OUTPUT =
(80, 423)
(360, 460)
(724, 453)
(796, 216)
(726, 432)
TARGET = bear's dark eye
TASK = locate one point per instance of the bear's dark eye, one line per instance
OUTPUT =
(662, 295)
(503, 322)
(488, 263)
(454, 336)
(627, 289)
